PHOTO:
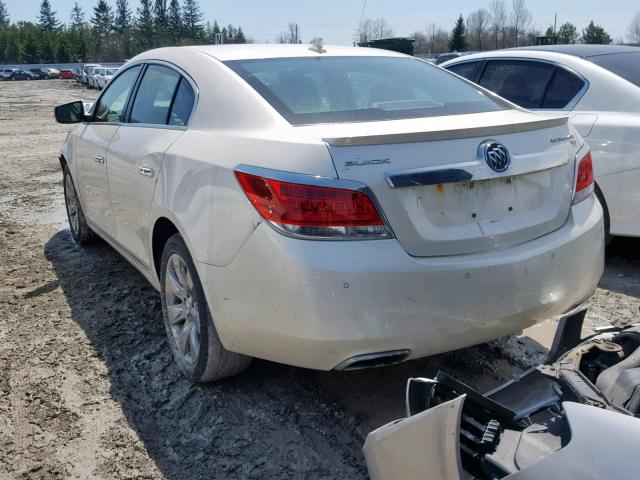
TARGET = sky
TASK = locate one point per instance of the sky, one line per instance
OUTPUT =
(335, 20)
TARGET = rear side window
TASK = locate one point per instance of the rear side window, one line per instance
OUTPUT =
(625, 65)
(524, 83)
(308, 90)
(155, 93)
(182, 104)
(563, 88)
(466, 69)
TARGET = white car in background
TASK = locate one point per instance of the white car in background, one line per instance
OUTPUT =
(598, 86)
(52, 72)
(5, 73)
(91, 77)
(330, 207)
(103, 75)
(84, 74)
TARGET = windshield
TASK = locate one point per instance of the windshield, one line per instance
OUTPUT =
(111, 71)
(359, 89)
(626, 65)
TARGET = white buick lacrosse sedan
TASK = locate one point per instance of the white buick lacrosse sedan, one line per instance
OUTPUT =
(331, 208)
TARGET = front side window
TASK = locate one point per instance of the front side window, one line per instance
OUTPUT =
(308, 90)
(110, 106)
(521, 82)
(625, 65)
(153, 99)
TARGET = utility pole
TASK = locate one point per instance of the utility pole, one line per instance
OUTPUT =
(363, 36)
(555, 22)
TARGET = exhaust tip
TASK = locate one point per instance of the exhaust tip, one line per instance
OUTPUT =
(371, 360)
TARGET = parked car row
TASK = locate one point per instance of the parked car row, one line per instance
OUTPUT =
(95, 75)
(29, 74)
(91, 75)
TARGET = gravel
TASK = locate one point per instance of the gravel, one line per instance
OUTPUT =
(88, 387)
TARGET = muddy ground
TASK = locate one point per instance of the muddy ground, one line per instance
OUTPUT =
(88, 388)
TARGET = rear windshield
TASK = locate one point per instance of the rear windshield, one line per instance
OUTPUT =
(626, 65)
(307, 90)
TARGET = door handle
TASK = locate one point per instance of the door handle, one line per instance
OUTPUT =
(98, 158)
(145, 171)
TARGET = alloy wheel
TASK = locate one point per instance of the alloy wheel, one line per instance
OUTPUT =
(71, 202)
(183, 315)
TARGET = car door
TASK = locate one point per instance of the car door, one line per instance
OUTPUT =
(91, 151)
(157, 117)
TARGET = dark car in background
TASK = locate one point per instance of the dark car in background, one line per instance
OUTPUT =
(39, 73)
(445, 57)
(21, 75)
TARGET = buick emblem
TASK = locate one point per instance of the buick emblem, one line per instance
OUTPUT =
(496, 155)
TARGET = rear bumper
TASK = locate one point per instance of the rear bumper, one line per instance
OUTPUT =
(316, 304)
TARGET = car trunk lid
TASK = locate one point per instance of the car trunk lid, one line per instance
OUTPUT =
(437, 190)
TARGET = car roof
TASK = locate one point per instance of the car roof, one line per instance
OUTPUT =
(252, 51)
(583, 51)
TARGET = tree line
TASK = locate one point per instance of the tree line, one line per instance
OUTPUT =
(116, 32)
(501, 27)
(109, 33)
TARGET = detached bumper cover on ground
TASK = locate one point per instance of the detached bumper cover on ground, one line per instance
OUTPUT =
(321, 303)
(573, 418)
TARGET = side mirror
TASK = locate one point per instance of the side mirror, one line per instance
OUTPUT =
(70, 112)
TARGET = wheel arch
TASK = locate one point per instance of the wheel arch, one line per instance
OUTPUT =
(601, 199)
(164, 226)
(605, 212)
(163, 230)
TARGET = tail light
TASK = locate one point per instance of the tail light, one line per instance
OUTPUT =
(584, 179)
(313, 211)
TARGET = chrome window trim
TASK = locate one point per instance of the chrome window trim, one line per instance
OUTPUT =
(179, 71)
(154, 125)
(568, 107)
(319, 181)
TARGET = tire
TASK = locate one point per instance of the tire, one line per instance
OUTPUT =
(80, 231)
(191, 333)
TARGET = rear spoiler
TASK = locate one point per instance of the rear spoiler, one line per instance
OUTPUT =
(433, 136)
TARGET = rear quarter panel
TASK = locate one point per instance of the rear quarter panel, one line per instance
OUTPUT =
(615, 147)
(197, 189)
